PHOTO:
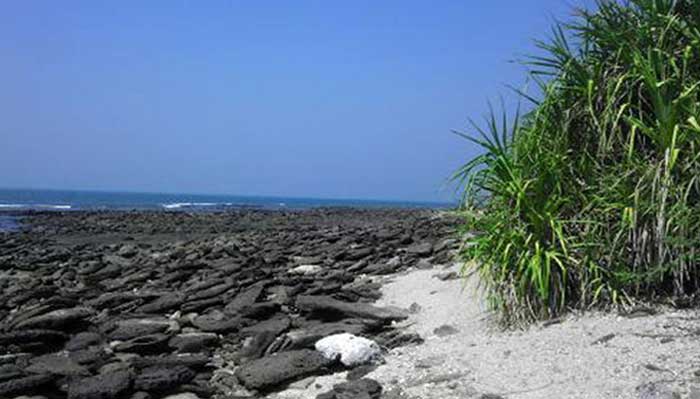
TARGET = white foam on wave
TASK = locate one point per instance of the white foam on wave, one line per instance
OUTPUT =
(55, 206)
(12, 206)
(175, 205)
(36, 206)
(178, 205)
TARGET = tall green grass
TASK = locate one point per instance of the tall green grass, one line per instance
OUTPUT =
(593, 196)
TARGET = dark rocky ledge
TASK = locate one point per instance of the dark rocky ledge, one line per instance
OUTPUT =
(152, 304)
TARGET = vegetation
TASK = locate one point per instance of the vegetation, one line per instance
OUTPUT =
(593, 197)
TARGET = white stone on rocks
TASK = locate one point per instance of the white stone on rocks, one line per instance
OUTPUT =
(186, 395)
(393, 262)
(306, 269)
(351, 349)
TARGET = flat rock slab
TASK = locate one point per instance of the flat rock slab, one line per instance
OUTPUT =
(245, 299)
(24, 385)
(103, 386)
(10, 371)
(191, 361)
(215, 324)
(307, 336)
(29, 336)
(145, 345)
(193, 342)
(83, 340)
(274, 370)
(134, 328)
(420, 249)
(56, 320)
(359, 389)
(164, 303)
(162, 378)
(56, 364)
(277, 324)
(327, 307)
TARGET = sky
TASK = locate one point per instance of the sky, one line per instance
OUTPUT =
(326, 99)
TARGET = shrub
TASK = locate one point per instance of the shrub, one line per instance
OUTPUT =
(593, 196)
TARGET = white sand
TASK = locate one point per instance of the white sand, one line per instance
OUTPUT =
(558, 361)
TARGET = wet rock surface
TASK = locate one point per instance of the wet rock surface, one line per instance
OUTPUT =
(163, 304)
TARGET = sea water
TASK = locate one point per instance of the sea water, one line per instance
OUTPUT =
(63, 200)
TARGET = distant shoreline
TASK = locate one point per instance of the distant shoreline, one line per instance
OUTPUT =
(11, 220)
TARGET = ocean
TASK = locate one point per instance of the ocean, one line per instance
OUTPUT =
(64, 200)
(18, 200)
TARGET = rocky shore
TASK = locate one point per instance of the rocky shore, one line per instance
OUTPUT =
(198, 305)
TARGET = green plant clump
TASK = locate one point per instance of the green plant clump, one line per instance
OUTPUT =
(593, 197)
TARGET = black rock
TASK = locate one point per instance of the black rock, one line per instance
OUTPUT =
(191, 360)
(83, 340)
(159, 378)
(148, 344)
(56, 364)
(119, 269)
(112, 299)
(10, 371)
(24, 385)
(360, 371)
(359, 389)
(421, 249)
(203, 304)
(92, 357)
(245, 299)
(29, 336)
(212, 291)
(61, 319)
(256, 345)
(328, 308)
(127, 251)
(278, 324)
(211, 323)
(380, 269)
(395, 338)
(102, 386)
(355, 254)
(260, 311)
(264, 337)
(129, 329)
(445, 330)
(166, 302)
(193, 342)
(307, 335)
(276, 369)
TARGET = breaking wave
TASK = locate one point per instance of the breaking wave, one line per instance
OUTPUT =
(36, 206)
(181, 205)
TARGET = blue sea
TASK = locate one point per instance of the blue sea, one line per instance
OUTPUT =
(18, 200)
(58, 200)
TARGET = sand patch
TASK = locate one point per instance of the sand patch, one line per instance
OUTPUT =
(596, 355)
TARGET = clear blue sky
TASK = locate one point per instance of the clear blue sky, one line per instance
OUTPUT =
(351, 99)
